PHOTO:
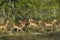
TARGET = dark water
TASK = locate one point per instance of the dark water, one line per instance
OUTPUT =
(27, 36)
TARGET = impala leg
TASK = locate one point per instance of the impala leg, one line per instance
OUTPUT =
(17, 30)
(21, 30)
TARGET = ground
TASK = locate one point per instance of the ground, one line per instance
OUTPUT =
(29, 36)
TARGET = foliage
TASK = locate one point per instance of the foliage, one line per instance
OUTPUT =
(16, 10)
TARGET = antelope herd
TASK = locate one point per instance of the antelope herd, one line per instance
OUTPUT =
(31, 22)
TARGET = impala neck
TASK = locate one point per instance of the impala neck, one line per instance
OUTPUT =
(40, 22)
(7, 23)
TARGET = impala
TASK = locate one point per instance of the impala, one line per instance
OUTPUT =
(24, 23)
(50, 24)
(4, 26)
(19, 27)
(33, 23)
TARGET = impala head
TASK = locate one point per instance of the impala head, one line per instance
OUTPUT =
(54, 21)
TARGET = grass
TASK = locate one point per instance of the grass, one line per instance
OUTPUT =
(28, 36)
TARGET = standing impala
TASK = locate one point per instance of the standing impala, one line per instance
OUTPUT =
(33, 23)
(25, 24)
(4, 26)
(50, 24)
(19, 27)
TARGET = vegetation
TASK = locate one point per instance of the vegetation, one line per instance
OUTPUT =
(16, 10)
